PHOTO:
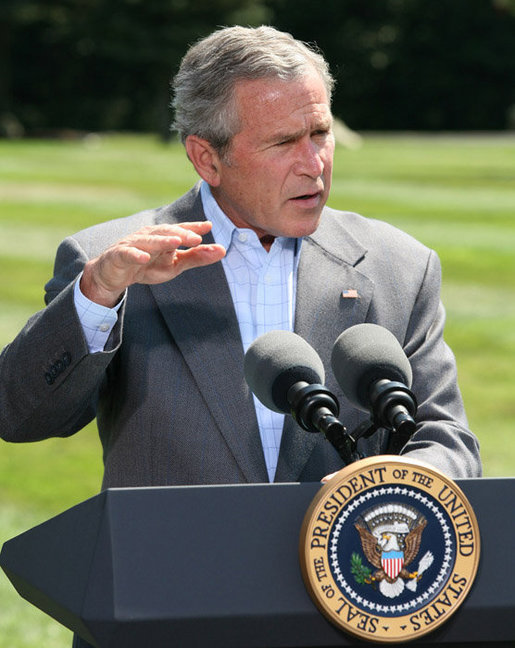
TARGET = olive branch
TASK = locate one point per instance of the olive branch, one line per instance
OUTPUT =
(358, 569)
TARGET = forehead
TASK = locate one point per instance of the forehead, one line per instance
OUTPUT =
(272, 103)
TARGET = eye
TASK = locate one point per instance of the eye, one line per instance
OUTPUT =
(321, 132)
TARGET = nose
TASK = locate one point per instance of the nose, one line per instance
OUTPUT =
(309, 159)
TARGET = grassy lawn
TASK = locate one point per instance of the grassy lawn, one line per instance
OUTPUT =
(456, 194)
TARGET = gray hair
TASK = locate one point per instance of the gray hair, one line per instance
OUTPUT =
(203, 87)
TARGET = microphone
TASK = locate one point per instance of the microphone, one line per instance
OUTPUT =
(287, 375)
(375, 376)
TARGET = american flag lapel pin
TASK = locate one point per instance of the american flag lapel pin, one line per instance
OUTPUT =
(350, 293)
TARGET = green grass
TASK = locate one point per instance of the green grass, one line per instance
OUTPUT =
(456, 194)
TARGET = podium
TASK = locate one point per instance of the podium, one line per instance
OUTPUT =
(218, 566)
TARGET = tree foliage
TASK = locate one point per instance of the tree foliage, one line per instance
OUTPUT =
(399, 64)
(104, 64)
(415, 64)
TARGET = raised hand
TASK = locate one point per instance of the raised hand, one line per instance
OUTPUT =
(149, 256)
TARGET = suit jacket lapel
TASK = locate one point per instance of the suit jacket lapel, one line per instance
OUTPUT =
(199, 312)
(327, 267)
(207, 332)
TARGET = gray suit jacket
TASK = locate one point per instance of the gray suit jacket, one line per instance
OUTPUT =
(168, 391)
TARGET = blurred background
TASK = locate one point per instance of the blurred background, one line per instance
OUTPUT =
(96, 65)
(425, 101)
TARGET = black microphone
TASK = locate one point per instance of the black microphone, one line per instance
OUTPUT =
(287, 375)
(375, 376)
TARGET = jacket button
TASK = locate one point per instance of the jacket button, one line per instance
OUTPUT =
(49, 379)
(67, 358)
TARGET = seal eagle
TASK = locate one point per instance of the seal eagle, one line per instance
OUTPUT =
(390, 537)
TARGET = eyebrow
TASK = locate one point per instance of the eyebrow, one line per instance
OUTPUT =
(325, 124)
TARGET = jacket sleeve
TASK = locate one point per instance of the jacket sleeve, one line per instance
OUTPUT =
(49, 381)
(442, 437)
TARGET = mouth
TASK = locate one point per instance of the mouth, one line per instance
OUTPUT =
(308, 200)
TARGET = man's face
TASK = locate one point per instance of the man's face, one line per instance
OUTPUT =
(276, 175)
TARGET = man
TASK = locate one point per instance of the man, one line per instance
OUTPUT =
(148, 317)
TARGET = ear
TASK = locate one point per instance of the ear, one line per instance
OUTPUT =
(204, 158)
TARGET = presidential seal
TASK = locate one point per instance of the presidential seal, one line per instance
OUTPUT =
(389, 549)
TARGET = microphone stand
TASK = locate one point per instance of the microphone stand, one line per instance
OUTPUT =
(393, 406)
(315, 409)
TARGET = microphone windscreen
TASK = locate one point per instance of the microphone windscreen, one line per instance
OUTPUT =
(277, 360)
(363, 354)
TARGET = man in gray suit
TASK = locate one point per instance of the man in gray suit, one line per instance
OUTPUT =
(148, 317)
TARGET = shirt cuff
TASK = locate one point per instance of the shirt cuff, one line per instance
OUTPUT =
(97, 321)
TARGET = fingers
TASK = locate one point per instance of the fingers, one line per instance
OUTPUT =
(162, 238)
(200, 227)
(153, 254)
(327, 478)
(166, 248)
(198, 256)
(188, 232)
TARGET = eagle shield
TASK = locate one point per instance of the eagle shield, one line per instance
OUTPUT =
(390, 537)
(392, 562)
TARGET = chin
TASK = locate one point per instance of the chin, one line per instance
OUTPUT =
(306, 229)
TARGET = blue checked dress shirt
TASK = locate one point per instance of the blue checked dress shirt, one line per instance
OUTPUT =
(262, 286)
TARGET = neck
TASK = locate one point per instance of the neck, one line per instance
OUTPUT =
(266, 241)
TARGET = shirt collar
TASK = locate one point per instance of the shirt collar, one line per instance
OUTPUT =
(223, 228)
